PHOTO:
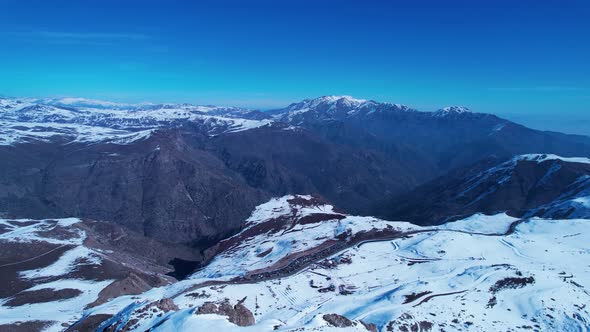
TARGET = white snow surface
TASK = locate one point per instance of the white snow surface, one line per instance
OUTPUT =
(67, 263)
(83, 120)
(62, 311)
(539, 158)
(448, 278)
(451, 110)
(382, 274)
(27, 231)
(55, 275)
(245, 256)
(481, 223)
(334, 107)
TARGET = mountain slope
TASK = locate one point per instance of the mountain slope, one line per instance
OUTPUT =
(512, 274)
(80, 120)
(443, 140)
(541, 185)
(181, 185)
(53, 269)
(192, 174)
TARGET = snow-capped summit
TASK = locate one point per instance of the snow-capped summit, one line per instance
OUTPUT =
(452, 110)
(334, 108)
(342, 98)
(331, 101)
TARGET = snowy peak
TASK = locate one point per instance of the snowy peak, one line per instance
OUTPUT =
(340, 99)
(449, 110)
(329, 101)
(335, 108)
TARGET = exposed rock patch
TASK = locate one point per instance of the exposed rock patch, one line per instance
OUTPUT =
(337, 320)
(369, 326)
(130, 285)
(407, 323)
(237, 314)
(25, 326)
(42, 295)
(513, 283)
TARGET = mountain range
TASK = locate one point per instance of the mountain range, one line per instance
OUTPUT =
(164, 217)
(108, 161)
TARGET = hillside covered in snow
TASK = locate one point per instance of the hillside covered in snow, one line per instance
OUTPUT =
(300, 264)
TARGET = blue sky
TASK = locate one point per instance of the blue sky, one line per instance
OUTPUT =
(524, 60)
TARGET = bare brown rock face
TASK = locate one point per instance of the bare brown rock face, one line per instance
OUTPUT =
(337, 320)
(237, 314)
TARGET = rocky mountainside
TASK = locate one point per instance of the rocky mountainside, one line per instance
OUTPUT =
(192, 174)
(183, 186)
(53, 268)
(431, 142)
(526, 185)
(201, 217)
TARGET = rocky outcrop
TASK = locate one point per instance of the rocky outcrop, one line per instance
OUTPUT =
(342, 322)
(237, 314)
(337, 320)
(369, 326)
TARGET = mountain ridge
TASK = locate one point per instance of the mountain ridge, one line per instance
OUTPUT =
(60, 161)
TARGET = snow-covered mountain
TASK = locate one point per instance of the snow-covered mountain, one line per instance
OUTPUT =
(451, 110)
(334, 108)
(544, 185)
(82, 120)
(301, 265)
(431, 142)
(347, 107)
(172, 186)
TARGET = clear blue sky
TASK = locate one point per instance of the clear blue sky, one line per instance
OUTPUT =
(525, 60)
